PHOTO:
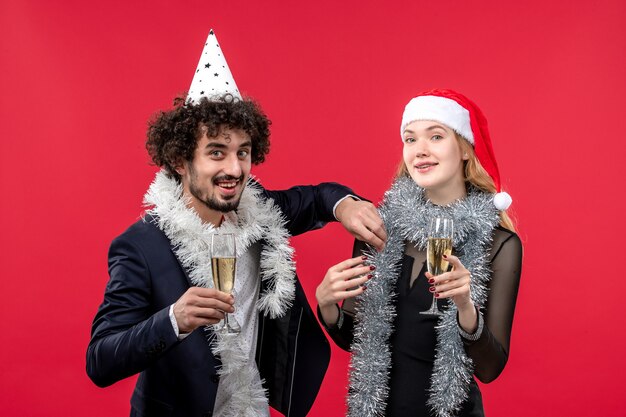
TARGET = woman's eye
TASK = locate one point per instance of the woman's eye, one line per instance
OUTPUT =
(409, 140)
(437, 137)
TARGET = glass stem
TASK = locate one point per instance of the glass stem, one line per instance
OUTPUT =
(433, 306)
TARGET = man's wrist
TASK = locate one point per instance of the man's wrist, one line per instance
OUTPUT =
(179, 336)
(355, 198)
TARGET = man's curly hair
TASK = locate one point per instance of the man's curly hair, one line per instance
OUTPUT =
(173, 135)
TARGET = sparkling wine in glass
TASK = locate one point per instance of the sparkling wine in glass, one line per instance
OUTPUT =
(439, 244)
(223, 260)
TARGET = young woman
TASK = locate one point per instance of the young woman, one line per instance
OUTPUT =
(409, 364)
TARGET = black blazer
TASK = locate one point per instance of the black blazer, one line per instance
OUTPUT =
(132, 333)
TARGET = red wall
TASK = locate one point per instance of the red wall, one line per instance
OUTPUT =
(79, 80)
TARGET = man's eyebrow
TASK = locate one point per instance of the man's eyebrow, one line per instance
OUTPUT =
(215, 144)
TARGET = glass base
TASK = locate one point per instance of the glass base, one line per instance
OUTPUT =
(433, 310)
(230, 325)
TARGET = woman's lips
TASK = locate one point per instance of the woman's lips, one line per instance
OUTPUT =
(425, 167)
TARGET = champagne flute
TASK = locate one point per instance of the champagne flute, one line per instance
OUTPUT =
(223, 258)
(440, 235)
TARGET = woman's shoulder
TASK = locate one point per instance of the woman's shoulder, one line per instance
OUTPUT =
(504, 238)
(503, 233)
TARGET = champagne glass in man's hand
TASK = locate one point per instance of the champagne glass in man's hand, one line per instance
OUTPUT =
(223, 257)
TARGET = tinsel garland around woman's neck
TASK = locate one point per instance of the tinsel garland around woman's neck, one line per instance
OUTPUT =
(407, 212)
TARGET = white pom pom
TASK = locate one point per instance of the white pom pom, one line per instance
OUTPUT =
(502, 201)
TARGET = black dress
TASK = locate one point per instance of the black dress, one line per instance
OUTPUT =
(413, 340)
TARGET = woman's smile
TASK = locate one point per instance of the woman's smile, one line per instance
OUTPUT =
(425, 167)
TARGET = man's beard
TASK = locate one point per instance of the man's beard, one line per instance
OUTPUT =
(211, 201)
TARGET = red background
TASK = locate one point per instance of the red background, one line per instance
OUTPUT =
(79, 80)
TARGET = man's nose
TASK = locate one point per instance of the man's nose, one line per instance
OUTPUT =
(233, 166)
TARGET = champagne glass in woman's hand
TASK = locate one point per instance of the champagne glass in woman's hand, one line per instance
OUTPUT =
(439, 244)
(223, 257)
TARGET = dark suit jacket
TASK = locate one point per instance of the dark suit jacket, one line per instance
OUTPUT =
(132, 332)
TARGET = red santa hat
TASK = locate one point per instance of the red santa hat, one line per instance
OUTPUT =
(464, 117)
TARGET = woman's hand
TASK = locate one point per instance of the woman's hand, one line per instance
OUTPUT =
(456, 286)
(344, 280)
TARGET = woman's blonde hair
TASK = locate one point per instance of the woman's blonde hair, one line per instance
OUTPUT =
(475, 175)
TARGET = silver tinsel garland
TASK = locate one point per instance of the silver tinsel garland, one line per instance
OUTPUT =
(406, 213)
(256, 219)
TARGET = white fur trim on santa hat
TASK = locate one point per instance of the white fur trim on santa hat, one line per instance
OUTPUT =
(502, 200)
(439, 109)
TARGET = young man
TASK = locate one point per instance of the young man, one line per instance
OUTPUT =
(160, 297)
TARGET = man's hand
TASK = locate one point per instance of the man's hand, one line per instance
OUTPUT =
(361, 219)
(200, 307)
